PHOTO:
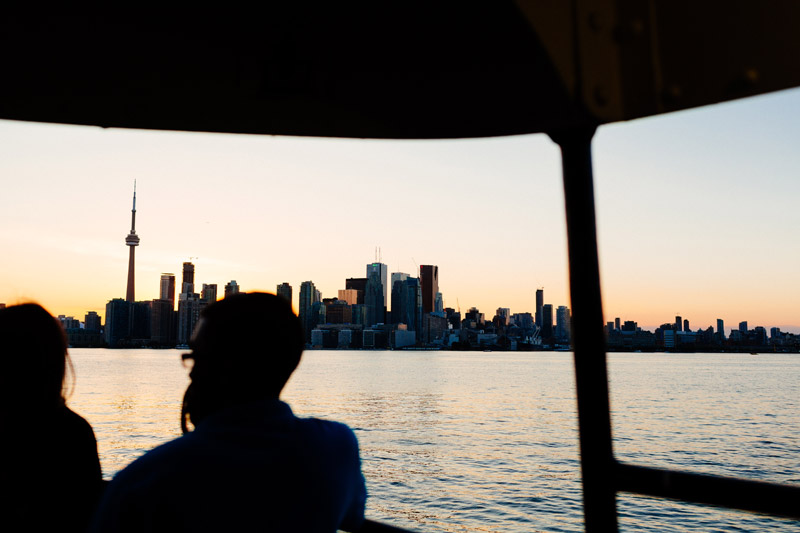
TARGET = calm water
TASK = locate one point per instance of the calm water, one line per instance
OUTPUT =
(487, 441)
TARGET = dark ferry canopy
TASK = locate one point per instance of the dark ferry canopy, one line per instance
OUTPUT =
(409, 70)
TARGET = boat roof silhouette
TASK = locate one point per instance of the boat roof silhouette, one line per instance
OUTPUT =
(431, 71)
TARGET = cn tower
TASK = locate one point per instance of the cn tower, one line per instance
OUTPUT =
(132, 240)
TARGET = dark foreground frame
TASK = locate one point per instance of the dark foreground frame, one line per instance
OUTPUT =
(604, 476)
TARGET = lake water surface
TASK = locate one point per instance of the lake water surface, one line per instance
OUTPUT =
(487, 441)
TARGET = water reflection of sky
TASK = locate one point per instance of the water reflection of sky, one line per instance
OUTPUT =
(487, 441)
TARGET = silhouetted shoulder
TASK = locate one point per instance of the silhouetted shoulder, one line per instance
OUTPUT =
(253, 467)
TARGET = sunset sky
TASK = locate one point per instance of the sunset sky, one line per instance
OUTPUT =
(697, 214)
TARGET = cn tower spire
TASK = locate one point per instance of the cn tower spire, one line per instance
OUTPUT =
(132, 240)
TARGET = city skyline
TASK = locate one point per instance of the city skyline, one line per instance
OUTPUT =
(695, 213)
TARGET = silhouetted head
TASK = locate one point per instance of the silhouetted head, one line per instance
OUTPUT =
(33, 348)
(244, 349)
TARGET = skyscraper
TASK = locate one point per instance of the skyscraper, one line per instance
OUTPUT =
(429, 280)
(721, 329)
(382, 271)
(231, 288)
(167, 291)
(374, 300)
(351, 296)
(188, 305)
(209, 293)
(547, 321)
(407, 303)
(284, 290)
(678, 323)
(396, 276)
(563, 323)
(187, 284)
(132, 240)
(357, 284)
(308, 296)
(539, 304)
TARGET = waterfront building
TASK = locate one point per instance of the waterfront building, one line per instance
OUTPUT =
(209, 293)
(686, 325)
(382, 271)
(167, 288)
(374, 299)
(163, 323)
(91, 322)
(678, 323)
(140, 323)
(337, 311)
(357, 284)
(429, 280)
(453, 317)
(474, 316)
(563, 323)
(539, 306)
(117, 326)
(402, 337)
(351, 296)
(438, 304)
(721, 329)
(434, 328)
(407, 303)
(231, 288)
(743, 326)
(396, 276)
(308, 295)
(504, 314)
(617, 323)
(187, 283)
(523, 320)
(189, 307)
(547, 321)
(284, 290)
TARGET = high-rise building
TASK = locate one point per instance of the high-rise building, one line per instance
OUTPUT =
(91, 322)
(547, 321)
(678, 323)
(209, 293)
(374, 300)
(187, 284)
(231, 288)
(284, 290)
(686, 325)
(117, 326)
(562, 323)
(429, 280)
(132, 241)
(539, 304)
(308, 296)
(357, 284)
(167, 288)
(163, 323)
(396, 276)
(407, 303)
(721, 329)
(617, 323)
(189, 307)
(504, 315)
(382, 271)
(351, 296)
(743, 326)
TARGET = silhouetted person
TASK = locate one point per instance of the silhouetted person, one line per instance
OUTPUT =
(49, 469)
(249, 464)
